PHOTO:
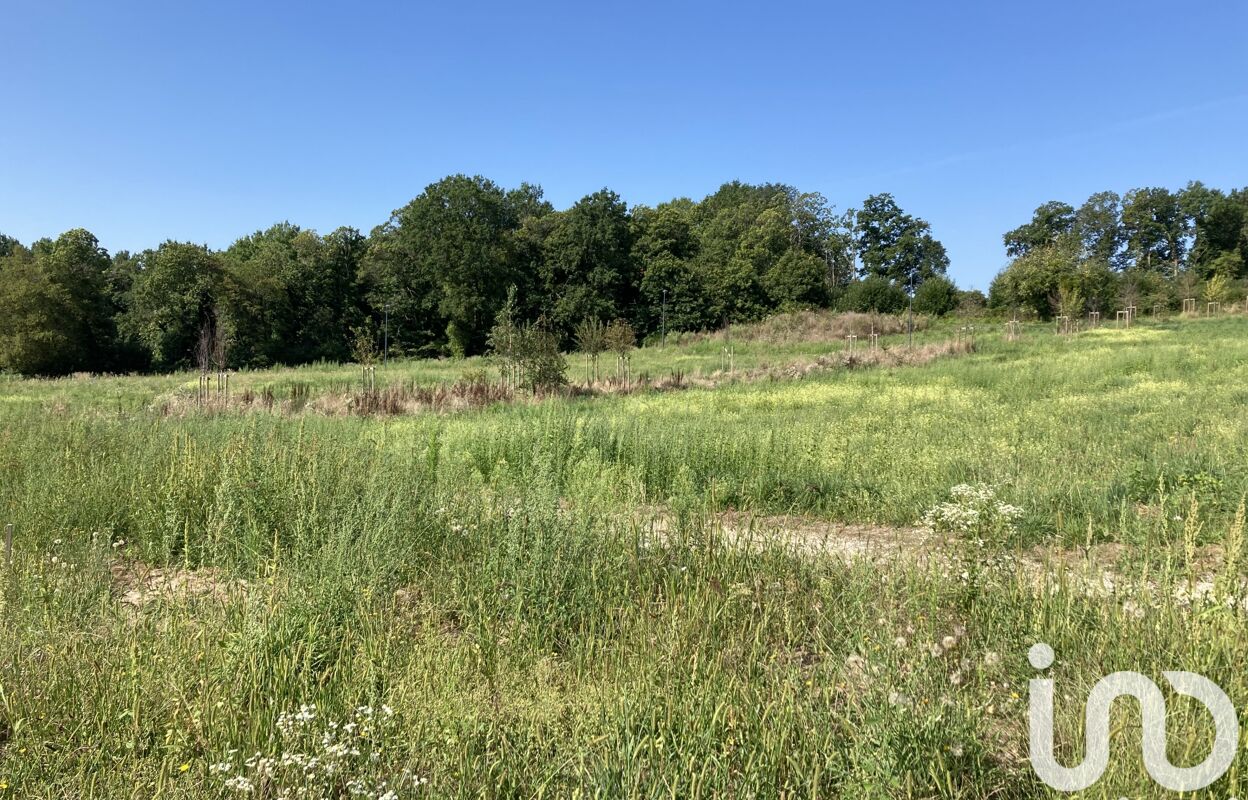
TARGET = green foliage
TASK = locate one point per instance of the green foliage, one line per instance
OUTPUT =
(873, 293)
(1217, 289)
(1147, 230)
(9, 246)
(541, 364)
(550, 600)
(528, 355)
(1098, 224)
(591, 341)
(1033, 280)
(1228, 265)
(435, 275)
(895, 245)
(587, 267)
(1155, 228)
(620, 338)
(936, 296)
(364, 345)
(56, 315)
(673, 295)
(444, 261)
(175, 292)
(1220, 231)
(36, 325)
(1050, 222)
(797, 279)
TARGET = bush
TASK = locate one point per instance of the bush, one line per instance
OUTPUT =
(873, 293)
(797, 279)
(972, 302)
(936, 296)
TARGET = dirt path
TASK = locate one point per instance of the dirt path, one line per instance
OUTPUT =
(1102, 570)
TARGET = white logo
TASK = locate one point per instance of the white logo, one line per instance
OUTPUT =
(1153, 716)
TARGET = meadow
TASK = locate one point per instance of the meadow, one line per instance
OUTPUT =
(559, 598)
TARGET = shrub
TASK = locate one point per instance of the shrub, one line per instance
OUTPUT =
(873, 293)
(936, 296)
(972, 302)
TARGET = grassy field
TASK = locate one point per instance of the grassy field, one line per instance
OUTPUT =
(541, 599)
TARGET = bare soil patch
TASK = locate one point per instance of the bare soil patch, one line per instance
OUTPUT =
(139, 584)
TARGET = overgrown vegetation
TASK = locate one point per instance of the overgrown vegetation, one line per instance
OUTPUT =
(195, 599)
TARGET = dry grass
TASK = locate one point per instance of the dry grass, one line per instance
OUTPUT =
(805, 326)
(478, 392)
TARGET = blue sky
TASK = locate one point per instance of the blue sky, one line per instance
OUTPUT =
(204, 122)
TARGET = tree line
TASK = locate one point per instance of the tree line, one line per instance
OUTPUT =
(1146, 248)
(433, 279)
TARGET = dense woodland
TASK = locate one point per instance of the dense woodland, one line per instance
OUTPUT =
(433, 278)
(1147, 248)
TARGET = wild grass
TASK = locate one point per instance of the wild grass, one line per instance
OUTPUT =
(486, 575)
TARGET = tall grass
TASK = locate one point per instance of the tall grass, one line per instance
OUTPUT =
(493, 577)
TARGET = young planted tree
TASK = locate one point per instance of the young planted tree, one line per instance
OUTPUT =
(504, 341)
(1217, 289)
(590, 335)
(364, 351)
(542, 367)
(622, 340)
(1068, 301)
(211, 354)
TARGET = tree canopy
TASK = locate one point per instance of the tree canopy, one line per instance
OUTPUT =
(1146, 247)
(432, 279)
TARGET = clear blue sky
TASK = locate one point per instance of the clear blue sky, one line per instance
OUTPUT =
(148, 121)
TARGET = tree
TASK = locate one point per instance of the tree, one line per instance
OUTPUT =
(542, 367)
(937, 296)
(1219, 230)
(395, 284)
(758, 250)
(339, 291)
(36, 329)
(727, 265)
(57, 312)
(673, 295)
(873, 293)
(1033, 279)
(293, 296)
(262, 316)
(971, 302)
(444, 261)
(504, 341)
(8, 246)
(588, 268)
(895, 245)
(76, 262)
(839, 251)
(1097, 282)
(663, 231)
(1049, 222)
(458, 232)
(1155, 227)
(591, 340)
(1098, 224)
(1068, 300)
(621, 339)
(1229, 265)
(797, 279)
(672, 291)
(1217, 289)
(175, 293)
